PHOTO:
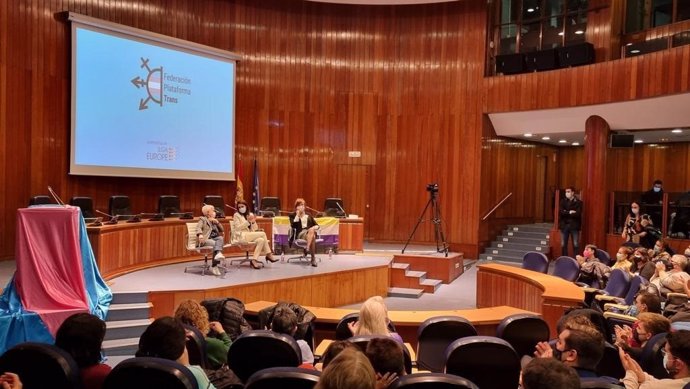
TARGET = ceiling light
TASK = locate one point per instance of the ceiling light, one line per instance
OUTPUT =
(639, 141)
(545, 137)
(579, 32)
(628, 44)
(561, 33)
(530, 9)
(664, 139)
(528, 135)
(562, 141)
(636, 51)
(576, 143)
(677, 131)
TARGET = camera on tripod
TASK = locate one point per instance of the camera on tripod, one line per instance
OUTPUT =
(433, 187)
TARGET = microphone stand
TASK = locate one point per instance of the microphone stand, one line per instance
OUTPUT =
(113, 219)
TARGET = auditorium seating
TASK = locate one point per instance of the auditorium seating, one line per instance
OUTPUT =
(196, 347)
(342, 332)
(651, 357)
(260, 349)
(55, 367)
(432, 381)
(148, 373)
(487, 361)
(523, 332)
(435, 335)
(610, 364)
(536, 262)
(637, 284)
(566, 268)
(284, 378)
(331, 208)
(617, 286)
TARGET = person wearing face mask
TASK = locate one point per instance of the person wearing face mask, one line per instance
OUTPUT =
(653, 200)
(632, 229)
(623, 259)
(304, 227)
(673, 280)
(661, 251)
(578, 346)
(570, 220)
(676, 362)
(245, 229)
(641, 264)
(648, 324)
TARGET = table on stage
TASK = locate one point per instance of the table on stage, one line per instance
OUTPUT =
(125, 247)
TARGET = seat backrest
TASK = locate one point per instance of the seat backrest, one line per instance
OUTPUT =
(217, 202)
(41, 199)
(651, 357)
(432, 381)
(637, 283)
(599, 383)
(260, 349)
(168, 204)
(148, 373)
(331, 208)
(536, 262)
(191, 241)
(270, 205)
(85, 204)
(610, 364)
(361, 341)
(603, 257)
(618, 284)
(523, 331)
(196, 347)
(434, 335)
(566, 268)
(283, 377)
(487, 361)
(119, 205)
(56, 368)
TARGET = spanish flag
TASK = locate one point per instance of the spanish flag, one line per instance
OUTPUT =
(239, 195)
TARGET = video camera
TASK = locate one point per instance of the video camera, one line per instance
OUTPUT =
(432, 188)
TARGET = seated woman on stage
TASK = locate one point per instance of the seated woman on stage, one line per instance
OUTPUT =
(373, 320)
(304, 227)
(244, 228)
(209, 231)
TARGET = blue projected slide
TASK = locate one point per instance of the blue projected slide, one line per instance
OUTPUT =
(150, 110)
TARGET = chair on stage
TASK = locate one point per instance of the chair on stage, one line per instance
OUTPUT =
(236, 240)
(41, 200)
(148, 373)
(218, 203)
(40, 365)
(169, 205)
(434, 335)
(302, 246)
(536, 262)
(192, 245)
(270, 207)
(85, 204)
(333, 206)
(120, 206)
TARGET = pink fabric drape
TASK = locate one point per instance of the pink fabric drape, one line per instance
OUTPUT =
(49, 276)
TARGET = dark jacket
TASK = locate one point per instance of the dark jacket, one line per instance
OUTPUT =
(297, 226)
(568, 221)
(304, 317)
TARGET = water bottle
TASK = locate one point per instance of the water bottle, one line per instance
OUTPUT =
(282, 257)
(330, 253)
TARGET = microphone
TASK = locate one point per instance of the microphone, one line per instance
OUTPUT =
(153, 217)
(183, 215)
(231, 207)
(341, 208)
(113, 219)
(55, 196)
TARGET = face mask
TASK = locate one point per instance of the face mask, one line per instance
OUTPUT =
(657, 249)
(671, 370)
(568, 195)
(242, 209)
(300, 208)
(635, 210)
(557, 353)
(620, 256)
(657, 190)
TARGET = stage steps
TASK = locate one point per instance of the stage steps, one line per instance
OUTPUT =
(402, 276)
(516, 240)
(405, 292)
(128, 317)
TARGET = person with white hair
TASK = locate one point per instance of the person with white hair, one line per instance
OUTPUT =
(209, 232)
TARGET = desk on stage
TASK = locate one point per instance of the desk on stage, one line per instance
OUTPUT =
(125, 247)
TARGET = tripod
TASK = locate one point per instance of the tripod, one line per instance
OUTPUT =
(441, 245)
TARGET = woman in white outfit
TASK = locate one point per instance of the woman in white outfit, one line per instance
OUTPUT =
(244, 228)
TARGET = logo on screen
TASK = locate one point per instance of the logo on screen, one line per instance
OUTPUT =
(160, 86)
(161, 151)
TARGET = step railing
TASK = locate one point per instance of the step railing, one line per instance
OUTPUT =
(497, 205)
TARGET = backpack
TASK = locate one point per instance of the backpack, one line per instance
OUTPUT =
(230, 313)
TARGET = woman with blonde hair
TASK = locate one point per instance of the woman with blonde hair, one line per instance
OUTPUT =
(373, 319)
(193, 314)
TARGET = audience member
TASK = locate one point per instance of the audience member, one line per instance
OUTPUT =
(661, 251)
(165, 338)
(591, 269)
(332, 351)
(548, 373)
(10, 381)
(244, 228)
(285, 322)
(81, 335)
(687, 252)
(623, 259)
(642, 265)
(570, 220)
(673, 280)
(654, 197)
(349, 370)
(209, 232)
(645, 302)
(648, 324)
(388, 360)
(218, 342)
(578, 346)
(676, 361)
(373, 319)
(304, 227)
(649, 234)
(632, 228)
